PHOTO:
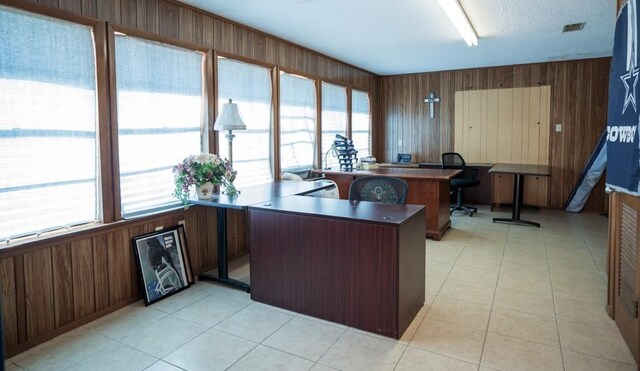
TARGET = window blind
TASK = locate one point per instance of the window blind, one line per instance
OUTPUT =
(334, 119)
(249, 86)
(297, 122)
(160, 119)
(48, 137)
(361, 122)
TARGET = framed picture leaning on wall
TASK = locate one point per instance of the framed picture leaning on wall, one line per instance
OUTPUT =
(162, 263)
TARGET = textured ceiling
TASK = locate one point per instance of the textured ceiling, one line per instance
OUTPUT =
(406, 36)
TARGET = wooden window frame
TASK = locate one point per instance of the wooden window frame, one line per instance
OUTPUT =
(275, 105)
(113, 134)
(105, 176)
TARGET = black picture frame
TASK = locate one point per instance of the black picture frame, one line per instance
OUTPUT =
(185, 253)
(162, 265)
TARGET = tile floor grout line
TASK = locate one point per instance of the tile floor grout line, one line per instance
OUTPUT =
(553, 297)
(495, 291)
(331, 346)
(406, 346)
(590, 254)
(244, 355)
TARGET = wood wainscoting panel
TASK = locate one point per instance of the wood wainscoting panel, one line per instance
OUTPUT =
(62, 284)
(9, 301)
(38, 287)
(100, 272)
(84, 302)
(119, 257)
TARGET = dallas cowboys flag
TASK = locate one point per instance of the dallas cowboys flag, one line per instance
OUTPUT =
(623, 152)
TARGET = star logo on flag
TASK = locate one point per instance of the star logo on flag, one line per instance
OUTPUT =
(630, 90)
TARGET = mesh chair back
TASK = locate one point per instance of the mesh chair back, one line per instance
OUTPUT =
(453, 160)
(379, 189)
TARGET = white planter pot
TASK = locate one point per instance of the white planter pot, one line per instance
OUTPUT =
(206, 191)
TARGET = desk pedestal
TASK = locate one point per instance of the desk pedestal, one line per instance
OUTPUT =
(362, 274)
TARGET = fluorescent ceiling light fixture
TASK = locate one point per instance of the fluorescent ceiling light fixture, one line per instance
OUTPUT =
(456, 15)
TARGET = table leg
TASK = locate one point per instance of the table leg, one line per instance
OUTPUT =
(223, 267)
(518, 186)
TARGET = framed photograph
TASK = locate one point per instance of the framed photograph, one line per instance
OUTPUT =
(162, 263)
(185, 253)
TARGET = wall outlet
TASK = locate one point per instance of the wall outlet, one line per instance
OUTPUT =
(399, 142)
(558, 128)
(181, 222)
(158, 228)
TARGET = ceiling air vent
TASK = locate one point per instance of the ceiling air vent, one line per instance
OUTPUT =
(573, 27)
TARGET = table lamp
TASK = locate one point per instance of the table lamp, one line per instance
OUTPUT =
(229, 119)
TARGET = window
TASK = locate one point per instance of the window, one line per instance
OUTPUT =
(250, 87)
(334, 119)
(361, 122)
(47, 106)
(297, 122)
(160, 118)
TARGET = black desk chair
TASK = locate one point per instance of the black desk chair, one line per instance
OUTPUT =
(379, 189)
(453, 160)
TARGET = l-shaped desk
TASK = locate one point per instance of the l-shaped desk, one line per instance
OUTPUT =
(361, 264)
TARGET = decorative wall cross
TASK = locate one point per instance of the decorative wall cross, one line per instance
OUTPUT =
(432, 100)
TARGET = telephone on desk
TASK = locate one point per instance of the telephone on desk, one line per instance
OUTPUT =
(403, 158)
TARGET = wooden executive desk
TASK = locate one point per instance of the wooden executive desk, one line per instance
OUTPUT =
(428, 187)
(361, 264)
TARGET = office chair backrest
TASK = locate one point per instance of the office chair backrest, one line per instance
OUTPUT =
(291, 176)
(453, 160)
(379, 189)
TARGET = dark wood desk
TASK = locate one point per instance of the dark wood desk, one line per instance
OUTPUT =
(519, 170)
(361, 264)
(247, 197)
(428, 187)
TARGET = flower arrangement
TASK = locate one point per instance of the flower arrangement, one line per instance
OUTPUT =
(200, 169)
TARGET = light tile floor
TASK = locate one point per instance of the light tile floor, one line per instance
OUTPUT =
(499, 297)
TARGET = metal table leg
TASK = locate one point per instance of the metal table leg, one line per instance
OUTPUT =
(518, 186)
(223, 267)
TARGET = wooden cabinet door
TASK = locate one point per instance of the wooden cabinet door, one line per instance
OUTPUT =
(502, 185)
(626, 265)
(535, 190)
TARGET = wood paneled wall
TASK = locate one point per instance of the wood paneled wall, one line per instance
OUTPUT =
(579, 91)
(54, 285)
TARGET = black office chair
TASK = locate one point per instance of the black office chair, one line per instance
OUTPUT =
(453, 160)
(379, 189)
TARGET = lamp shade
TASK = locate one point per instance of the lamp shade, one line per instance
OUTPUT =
(229, 118)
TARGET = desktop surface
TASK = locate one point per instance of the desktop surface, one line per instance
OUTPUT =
(342, 209)
(404, 173)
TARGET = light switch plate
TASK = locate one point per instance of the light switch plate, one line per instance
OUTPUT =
(558, 128)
